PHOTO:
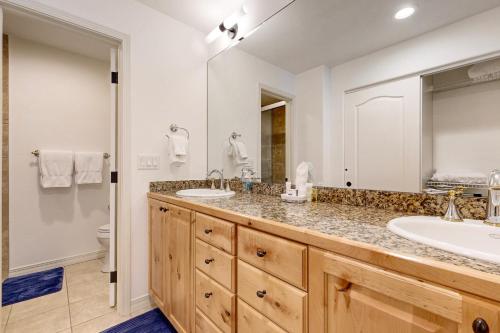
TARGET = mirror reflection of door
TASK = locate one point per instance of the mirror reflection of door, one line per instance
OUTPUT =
(273, 138)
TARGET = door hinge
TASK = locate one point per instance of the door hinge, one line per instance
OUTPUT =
(112, 277)
(114, 77)
(114, 177)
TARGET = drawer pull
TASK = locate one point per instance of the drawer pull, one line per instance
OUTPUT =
(207, 295)
(208, 261)
(261, 253)
(207, 231)
(480, 326)
(261, 293)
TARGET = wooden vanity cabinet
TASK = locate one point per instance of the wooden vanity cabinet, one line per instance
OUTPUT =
(170, 260)
(212, 275)
(347, 295)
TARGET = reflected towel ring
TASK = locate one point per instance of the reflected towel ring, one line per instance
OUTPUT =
(233, 136)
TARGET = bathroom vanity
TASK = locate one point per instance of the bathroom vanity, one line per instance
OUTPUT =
(251, 263)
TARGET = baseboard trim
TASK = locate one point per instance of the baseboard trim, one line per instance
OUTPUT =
(141, 303)
(41, 266)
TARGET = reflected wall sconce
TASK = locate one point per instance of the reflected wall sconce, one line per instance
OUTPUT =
(228, 26)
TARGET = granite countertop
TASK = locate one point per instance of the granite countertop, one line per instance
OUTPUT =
(362, 224)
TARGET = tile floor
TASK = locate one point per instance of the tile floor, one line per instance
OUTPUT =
(80, 307)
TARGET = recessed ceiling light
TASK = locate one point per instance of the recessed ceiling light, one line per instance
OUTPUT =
(404, 13)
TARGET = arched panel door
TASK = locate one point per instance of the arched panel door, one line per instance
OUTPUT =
(382, 137)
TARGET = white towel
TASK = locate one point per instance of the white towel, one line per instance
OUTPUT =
(178, 147)
(180, 144)
(460, 177)
(56, 168)
(88, 167)
(303, 173)
(238, 151)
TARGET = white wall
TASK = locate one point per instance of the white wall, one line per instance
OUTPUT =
(311, 105)
(466, 119)
(168, 85)
(473, 37)
(58, 100)
(234, 80)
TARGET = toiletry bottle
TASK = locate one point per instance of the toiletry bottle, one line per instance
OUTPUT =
(309, 188)
(247, 179)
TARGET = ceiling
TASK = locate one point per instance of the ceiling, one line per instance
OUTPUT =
(45, 31)
(310, 33)
(203, 15)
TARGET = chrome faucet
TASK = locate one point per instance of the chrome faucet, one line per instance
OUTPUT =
(452, 213)
(221, 175)
(493, 209)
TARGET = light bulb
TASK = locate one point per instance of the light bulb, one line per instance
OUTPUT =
(235, 17)
(404, 13)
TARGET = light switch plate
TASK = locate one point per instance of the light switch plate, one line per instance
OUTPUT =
(148, 162)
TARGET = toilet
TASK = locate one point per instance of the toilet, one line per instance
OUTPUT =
(103, 238)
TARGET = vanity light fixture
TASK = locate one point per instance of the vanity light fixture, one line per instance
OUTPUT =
(404, 13)
(229, 25)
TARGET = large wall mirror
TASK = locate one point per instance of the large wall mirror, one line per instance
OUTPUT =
(362, 105)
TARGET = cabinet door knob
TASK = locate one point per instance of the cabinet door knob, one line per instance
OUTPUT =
(207, 295)
(261, 293)
(208, 261)
(160, 209)
(261, 253)
(207, 231)
(479, 325)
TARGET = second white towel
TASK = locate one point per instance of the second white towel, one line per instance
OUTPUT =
(88, 167)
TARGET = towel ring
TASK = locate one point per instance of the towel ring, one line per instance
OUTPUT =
(233, 136)
(174, 128)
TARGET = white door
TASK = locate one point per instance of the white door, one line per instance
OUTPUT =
(382, 137)
(112, 190)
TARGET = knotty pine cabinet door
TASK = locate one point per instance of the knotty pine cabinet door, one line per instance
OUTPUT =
(346, 295)
(179, 267)
(157, 258)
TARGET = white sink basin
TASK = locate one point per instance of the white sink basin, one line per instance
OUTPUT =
(204, 193)
(470, 238)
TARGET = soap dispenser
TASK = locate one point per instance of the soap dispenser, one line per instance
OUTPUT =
(493, 209)
(247, 178)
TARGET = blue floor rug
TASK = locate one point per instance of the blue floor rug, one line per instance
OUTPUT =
(25, 287)
(150, 322)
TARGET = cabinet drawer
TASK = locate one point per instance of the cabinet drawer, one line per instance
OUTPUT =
(272, 297)
(280, 257)
(203, 324)
(216, 232)
(215, 302)
(250, 321)
(217, 264)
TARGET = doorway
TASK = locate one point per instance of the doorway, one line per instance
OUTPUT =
(275, 137)
(81, 59)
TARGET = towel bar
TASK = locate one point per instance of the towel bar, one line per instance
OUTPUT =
(36, 152)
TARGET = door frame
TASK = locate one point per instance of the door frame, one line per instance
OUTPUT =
(123, 201)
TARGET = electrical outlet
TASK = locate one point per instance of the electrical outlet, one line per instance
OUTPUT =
(148, 162)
